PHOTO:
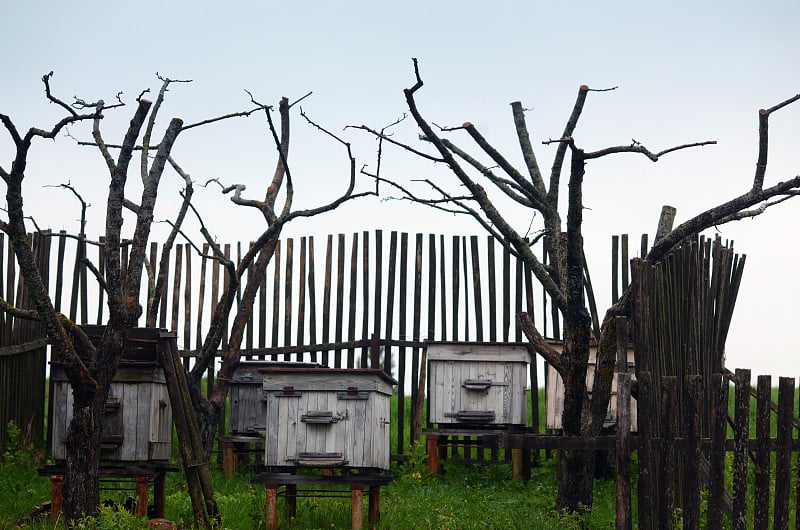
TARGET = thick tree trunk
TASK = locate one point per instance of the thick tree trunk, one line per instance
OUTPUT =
(82, 477)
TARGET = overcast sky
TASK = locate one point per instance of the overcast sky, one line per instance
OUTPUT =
(685, 72)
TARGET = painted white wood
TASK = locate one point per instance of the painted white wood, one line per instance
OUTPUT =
(504, 366)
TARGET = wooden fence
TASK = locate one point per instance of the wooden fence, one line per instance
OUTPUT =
(333, 304)
(23, 349)
(750, 480)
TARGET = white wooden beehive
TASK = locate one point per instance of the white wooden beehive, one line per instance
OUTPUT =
(477, 383)
(327, 417)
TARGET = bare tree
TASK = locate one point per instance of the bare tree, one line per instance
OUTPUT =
(276, 209)
(565, 276)
(90, 375)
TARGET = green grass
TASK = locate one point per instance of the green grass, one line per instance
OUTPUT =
(465, 497)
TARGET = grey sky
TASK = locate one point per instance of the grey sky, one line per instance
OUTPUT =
(686, 71)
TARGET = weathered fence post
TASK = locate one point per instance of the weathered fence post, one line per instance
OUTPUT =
(784, 453)
(741, 434)
(691, 451)
(719, 430)
(623, 517)
(762, 461)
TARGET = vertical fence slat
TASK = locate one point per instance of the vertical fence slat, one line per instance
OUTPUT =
(693, 395)
(476, 288)
(647, 509)
(176, 288)
(287, 294)
(443, 288)
(326, 299)
(276, 296)
(668, 458)
(301, 298)
(351, 322)
(492, 286)
(339, 300)
(719, 429)
(201, 294)
(507, 296)
(187, 301)
(415, 335)
(389, 303)
(784, 453)
(762, 461)
(378, 303)
(455, 276)
(402, 325)
(741, 430)
(623, 441)
(312, 299)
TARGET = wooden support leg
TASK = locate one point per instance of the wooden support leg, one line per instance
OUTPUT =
(433, 454)
(272, 505)
(158, 496)
(291, 500)
(526, 464)
(374, 504)
(56, 495)
(516, 463)
(228, 462)
(357, 506)
(142, 484)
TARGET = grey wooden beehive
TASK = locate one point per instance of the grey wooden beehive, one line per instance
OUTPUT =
(327, 417)
(477, 383)
(248, 408)
(137, 426)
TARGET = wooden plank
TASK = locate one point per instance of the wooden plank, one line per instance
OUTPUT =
(389, 303)
(351, 323)
(692, 455)
(187, 301)
(614, 269)
(455, 288)
(431, 333)
(443, 283)
(201, 297)
(262, 311)
(783, 484)
(507, 295)
(276, 296)
(162, 315)
(719, 427)
(378, 302)
(466, 287)
(647, 505)
(287, 293)
(101, 267)
(312, 298)
(59, 287)
(623, 453)
(301, 297)
(740, 432)
(402, 330)
(492, 287)
(248, 328)
(339, 300)
(415, 354)
(669, 431)
(326, 298)
(762, 461)
(476, 288)
(176, 287)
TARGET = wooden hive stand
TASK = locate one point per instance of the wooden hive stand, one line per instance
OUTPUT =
(141, 476)
(298, 485)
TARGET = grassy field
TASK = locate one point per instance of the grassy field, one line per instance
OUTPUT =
(462, 498)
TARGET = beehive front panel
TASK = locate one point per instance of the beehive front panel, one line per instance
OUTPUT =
(159, 441)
